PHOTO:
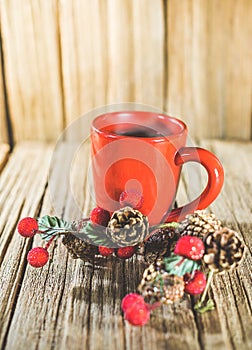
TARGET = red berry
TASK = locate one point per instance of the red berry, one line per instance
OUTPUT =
(190, 247)
(131, 198)
(137, 314)
(195, 283)
(106, 251)
(125, 252)
(131, 299)
(27, 227)
(100, 216)
(38, 257)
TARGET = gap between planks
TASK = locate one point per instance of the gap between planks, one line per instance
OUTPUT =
(4, 153)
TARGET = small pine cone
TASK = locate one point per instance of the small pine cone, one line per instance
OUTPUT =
(199, 224)
(127, 226)
(160, 244)
(223, 250)
(79, 248)
(157, 285)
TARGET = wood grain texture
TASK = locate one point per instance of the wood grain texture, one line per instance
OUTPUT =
(121, 86)
(22, 186)
(32, 63)
(233, 291)
(230, 326)
(83, 37)
(186, 94)
(71, 304)
(4, 152)
(109, 50)
(209, 66)
(65, 58)
(3, 125)
(135, 46)
(229, 71)
(148, 31)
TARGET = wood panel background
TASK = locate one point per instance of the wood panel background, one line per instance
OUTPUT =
(3, 125)
(62, 58)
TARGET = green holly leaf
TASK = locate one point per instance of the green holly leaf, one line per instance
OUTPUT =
(50, 226)
(94, 234)
(177, 265)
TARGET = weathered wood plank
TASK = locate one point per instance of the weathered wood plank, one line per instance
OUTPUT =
(148, 50)
(235, 201)
(32, 68)
(135, 52)
(230, 325)
(83, 35)
(121, 84)
(233, 291)
(44, 293)
(186, 94)
(22, 185)
(228, 83)
(3, 125)
(206, 87)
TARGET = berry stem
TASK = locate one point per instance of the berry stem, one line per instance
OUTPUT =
(49, 243)
(49, 228)
(200, 306)
(209, 280)
(180, 261)
(153, 306)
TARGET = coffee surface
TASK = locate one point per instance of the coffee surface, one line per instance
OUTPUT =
(140, 131)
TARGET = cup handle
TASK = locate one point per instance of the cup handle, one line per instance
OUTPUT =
(215, 180)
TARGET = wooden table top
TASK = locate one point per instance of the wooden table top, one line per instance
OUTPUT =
(70, 304)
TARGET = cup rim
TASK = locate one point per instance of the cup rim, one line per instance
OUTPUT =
(107, 133)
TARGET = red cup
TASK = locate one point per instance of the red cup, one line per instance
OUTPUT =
(144, 152)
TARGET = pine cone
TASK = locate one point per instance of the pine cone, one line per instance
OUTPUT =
(200, 223)
(127, 226)
(160, 244)
(78, 248)
(223, 250)
(157, 285)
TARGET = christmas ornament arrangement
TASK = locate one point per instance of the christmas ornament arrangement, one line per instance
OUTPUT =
(181, 257)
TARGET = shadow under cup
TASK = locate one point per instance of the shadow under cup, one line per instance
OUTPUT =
(136, 151)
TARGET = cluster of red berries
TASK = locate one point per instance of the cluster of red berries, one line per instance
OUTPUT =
(101, 217)
(38, 256)
(192, 248)
(137, 311)
(122, 253)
